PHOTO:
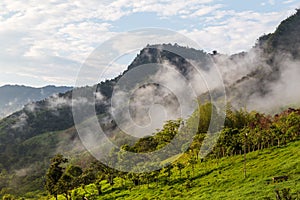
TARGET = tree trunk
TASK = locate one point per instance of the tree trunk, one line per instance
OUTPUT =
(111, 180)
(193, 171)
(278, 197)
(67, 196)
(99, 189)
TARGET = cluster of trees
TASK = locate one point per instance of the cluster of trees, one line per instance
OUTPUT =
(257, 131)
(63, 176)
(242, 132)
(59, 179)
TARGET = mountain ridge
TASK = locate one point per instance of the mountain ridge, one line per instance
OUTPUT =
(14, 97)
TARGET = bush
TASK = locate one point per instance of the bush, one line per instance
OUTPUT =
(8, 197)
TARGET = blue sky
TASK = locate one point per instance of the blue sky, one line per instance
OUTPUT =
(47, 42)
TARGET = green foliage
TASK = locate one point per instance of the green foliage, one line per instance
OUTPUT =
(285, 194)
(256, 130)
(61, 179)
(179, 166)
(244, 132)
(8, 197)
(55, 175)
(213, 179)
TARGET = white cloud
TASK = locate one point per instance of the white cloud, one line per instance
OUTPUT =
(237, 32)
(203, 10)
(272, 2)
(288, 1)
(169, 8)
(20, 122)
(50, 40)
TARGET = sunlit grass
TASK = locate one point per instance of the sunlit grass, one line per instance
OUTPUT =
(216, 179)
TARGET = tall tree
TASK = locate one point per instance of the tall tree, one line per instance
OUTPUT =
(180, 166)
(54, 174)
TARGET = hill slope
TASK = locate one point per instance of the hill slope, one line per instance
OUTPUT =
(217, 179)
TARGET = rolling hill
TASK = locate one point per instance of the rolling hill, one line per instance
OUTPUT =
(218, 179)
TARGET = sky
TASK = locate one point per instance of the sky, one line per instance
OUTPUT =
(46, 42)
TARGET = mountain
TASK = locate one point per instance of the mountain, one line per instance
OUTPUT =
(31, 136)
(14, 97)
(275, 74)
(280, 41)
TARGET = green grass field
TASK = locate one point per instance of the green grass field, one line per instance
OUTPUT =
(216, 179)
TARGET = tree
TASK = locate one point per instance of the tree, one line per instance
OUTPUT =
(70, 179)
(192, 162)
(196, 144)
(64, 185)
(98, 186)
(8, 197)
(93, 174)
(54, 175)
(180, 166)
(134, 177)
(165, 136)
(98, 170)
(167, 169)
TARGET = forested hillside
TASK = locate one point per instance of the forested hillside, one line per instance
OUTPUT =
(256, 156)
(270, 174)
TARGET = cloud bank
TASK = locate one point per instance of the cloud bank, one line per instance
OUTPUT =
(46, 42)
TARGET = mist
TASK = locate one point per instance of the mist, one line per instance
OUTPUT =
(283, 92)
